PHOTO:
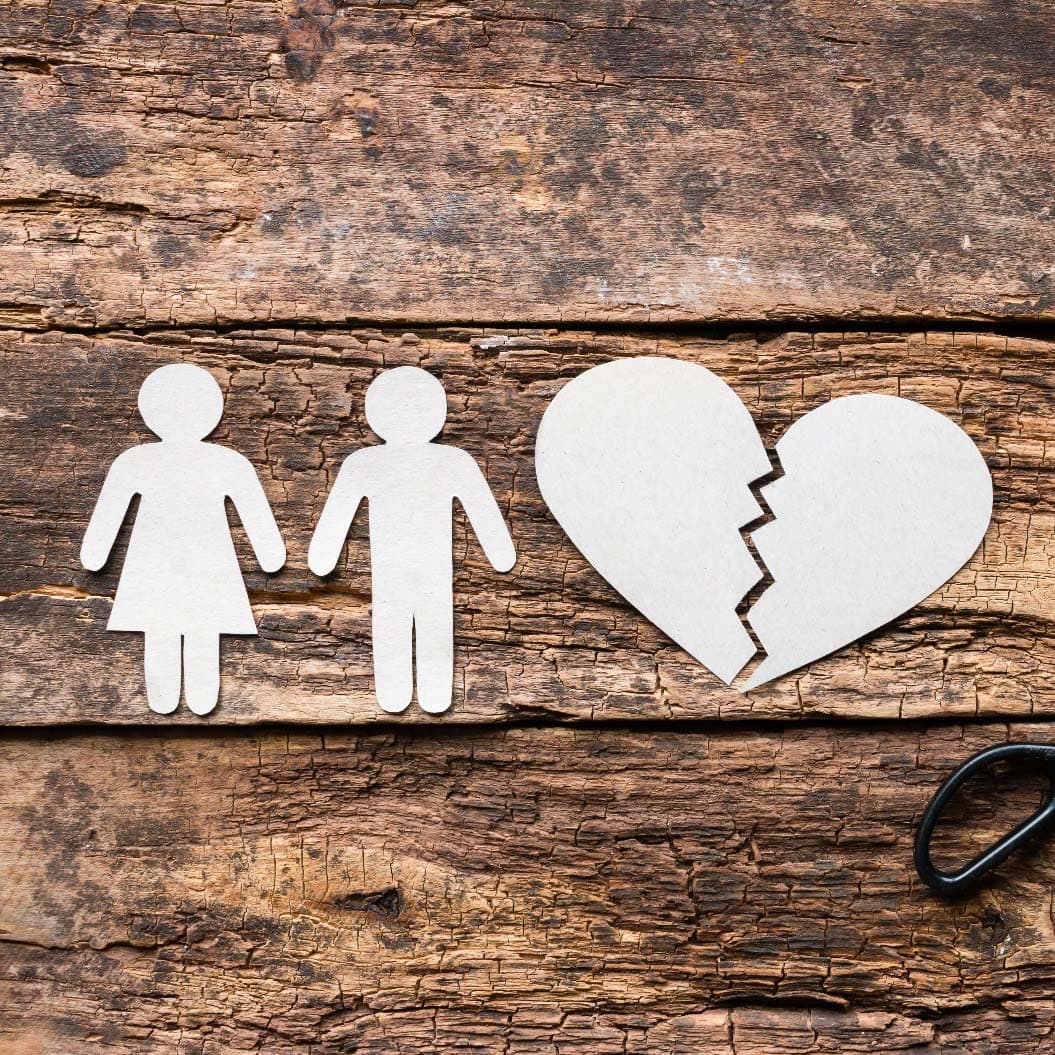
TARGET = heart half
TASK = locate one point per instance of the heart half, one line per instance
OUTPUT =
(647, 464)
(882, 500)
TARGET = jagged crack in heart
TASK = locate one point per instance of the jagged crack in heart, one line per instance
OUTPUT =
(747, 602)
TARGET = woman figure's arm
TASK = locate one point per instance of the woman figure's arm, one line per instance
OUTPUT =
(119, 488)
(254, 511)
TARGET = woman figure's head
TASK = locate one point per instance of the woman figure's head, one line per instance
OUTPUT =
(181, 402)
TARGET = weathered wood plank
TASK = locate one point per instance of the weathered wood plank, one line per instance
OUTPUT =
(527, 890)
(550, 638)
(324, 160)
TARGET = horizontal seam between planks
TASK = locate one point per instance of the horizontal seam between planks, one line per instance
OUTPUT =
(1030, 327)
(468, 730)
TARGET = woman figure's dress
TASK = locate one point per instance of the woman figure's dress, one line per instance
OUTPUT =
(181, 572)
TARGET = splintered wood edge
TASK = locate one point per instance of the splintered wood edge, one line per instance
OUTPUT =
(551, 639)
(725, 891)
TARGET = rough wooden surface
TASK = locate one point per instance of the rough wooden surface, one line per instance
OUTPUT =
(551, 638)
(528, 890)
(247, 184)
(318, 160)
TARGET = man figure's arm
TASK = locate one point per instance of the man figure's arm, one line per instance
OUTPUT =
(337, 516)
(484, 516)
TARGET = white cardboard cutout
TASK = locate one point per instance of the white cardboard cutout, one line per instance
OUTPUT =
(410, 484)
(646, 463)
(882, 500)
(181, 586)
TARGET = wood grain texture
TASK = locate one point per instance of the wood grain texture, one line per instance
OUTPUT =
(528, 890)
(550, 639)
(322, 160)
(247, 184)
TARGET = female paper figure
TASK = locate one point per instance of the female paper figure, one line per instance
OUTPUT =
(411, 484)
(181, 586)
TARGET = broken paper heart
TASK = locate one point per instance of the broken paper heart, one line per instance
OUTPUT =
(647, 465)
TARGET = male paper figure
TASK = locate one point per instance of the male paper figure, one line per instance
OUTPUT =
(181, 586)
(410, 484)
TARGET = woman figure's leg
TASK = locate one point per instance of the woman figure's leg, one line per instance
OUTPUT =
(161, 665)
(201, 671)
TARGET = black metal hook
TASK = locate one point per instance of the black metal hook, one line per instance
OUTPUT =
(952, 884)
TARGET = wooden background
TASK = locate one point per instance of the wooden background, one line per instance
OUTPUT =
(600, 850)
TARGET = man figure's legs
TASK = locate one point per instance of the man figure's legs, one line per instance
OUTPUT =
(393, 624)
(434, 647)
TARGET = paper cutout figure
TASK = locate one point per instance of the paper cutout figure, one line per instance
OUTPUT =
(410, 484)
(646, 462)
(882, 500)
(181, 586)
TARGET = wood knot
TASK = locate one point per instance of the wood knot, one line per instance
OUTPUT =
(308, 38)
(387, 903)
(993, 920)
